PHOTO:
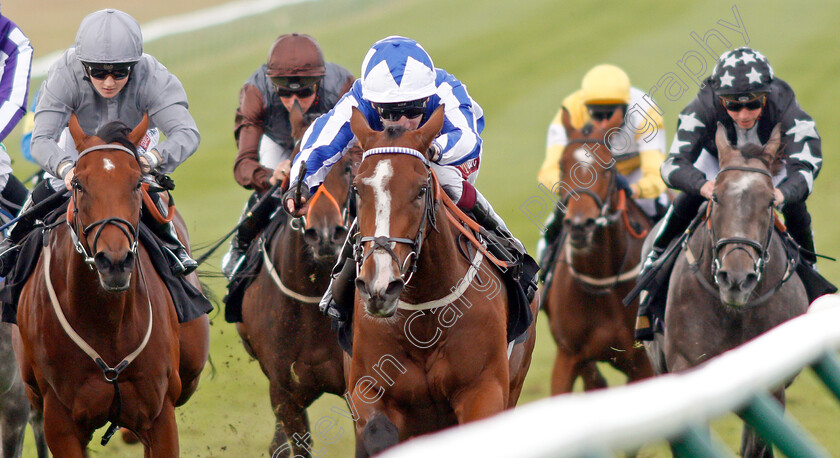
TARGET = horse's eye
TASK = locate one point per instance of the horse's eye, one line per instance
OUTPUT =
(77, 186)
(422, 192)
(714, 198)
(139, 185)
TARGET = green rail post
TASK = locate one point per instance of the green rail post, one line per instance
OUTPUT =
(697, 442)
(828, 370)
(767, 417)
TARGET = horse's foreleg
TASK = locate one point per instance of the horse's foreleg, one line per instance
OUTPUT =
(163, 435)
(752, 445)
(635, 363)
(195, 347)
(63, 436)
(480, 400)
(36, 420)
(592, 377)
(14, 410)
(564, 373)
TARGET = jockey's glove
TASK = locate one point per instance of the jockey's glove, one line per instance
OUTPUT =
(293, 202)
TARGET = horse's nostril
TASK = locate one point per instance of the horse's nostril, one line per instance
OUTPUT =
(750, 281)
(311, 236)
(723, 278)
(394, 288)
(102, 261)
(339, 234)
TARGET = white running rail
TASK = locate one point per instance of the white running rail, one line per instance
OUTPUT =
(625, 418)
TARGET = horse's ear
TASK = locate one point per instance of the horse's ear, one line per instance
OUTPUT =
(566, 118)
(361, 129)
(722, 143)
(137, 134)
(772, 145)
(432, 128)
(79, 136)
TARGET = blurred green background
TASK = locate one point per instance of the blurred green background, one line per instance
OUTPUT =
(518, 60)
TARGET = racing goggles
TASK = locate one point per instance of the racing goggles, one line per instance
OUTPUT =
(395, 111)
(602, 112)
(301, 86)
(739, 102)
(101, 71)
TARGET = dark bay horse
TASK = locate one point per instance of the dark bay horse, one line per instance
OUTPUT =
(733, 280)
(281, 326)
(429, 323)
(99, 336)
(603, 232)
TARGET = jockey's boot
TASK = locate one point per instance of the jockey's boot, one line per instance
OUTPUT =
(337, 302)
(547, 247)
(257, 213)
(672, 225)
(179, 260)
(504, 246)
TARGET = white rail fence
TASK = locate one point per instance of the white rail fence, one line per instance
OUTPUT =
(625, 418)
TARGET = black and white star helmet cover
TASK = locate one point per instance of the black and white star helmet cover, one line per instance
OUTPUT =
(742, 71)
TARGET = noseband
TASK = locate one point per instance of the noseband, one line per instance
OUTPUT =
(384, 243)
(131, 232)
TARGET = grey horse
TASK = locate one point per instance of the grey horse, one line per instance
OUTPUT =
(14, 406)
(733, 280)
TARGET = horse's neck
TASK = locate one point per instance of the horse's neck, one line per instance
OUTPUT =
(440, 265)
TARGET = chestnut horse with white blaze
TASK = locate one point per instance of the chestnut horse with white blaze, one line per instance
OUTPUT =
(597, 265)
(99, 335)
(430, 348)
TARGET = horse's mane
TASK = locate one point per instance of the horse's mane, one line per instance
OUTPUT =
(116, 132)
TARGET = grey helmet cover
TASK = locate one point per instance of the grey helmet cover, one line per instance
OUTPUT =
(109, 36)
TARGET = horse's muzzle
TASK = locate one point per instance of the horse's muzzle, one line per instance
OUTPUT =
(736, 286)
(380, 302)
(114, 274)
(326, 242)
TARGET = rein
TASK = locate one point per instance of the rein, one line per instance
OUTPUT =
(272, 271)
(762, 248)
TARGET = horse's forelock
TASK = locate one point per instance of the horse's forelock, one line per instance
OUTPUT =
(751, 151)
(392, 132)
(116, 132)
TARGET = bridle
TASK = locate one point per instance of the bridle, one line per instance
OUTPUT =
(301, 223)
(605, 218)
(110, 373)
(409, 266)
(762, 248)
(131, 231)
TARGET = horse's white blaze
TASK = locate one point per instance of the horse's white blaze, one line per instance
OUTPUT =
(107, 164)
(738, 188)
(742, 185)
(581, 155)
(379, 182)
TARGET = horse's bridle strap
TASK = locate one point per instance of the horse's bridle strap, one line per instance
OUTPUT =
(77, 339)
(283, 288)
(108, 146)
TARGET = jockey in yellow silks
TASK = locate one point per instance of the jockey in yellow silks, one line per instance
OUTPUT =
(638, 146)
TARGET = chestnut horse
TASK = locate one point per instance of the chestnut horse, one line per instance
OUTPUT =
(603, 232)
(281, 326)
(429, 323)
(733, 280)
(99, 336)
